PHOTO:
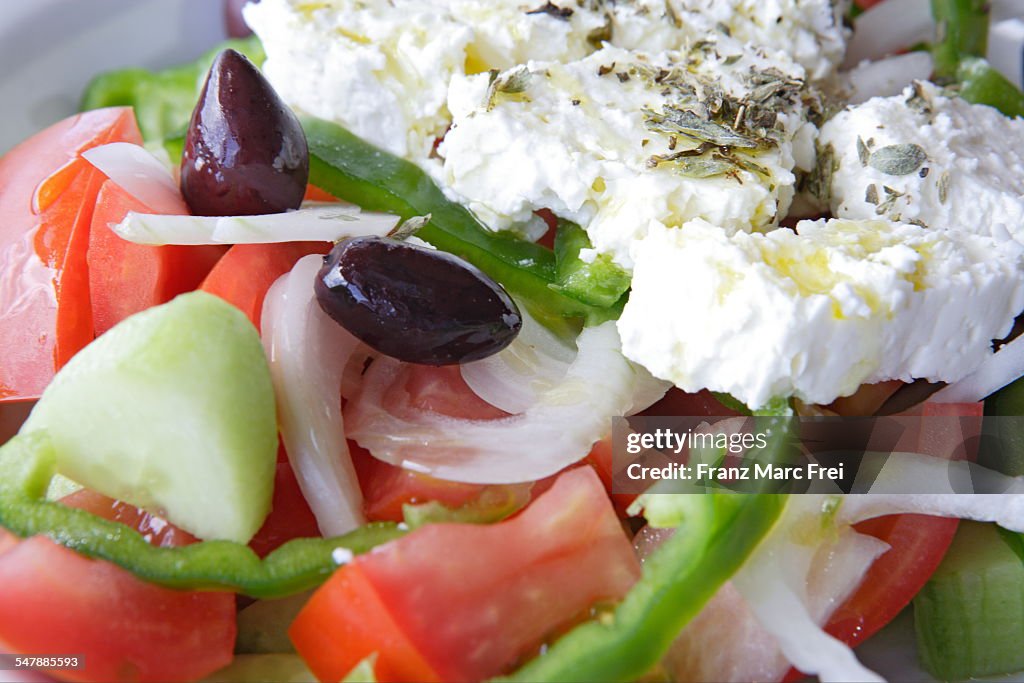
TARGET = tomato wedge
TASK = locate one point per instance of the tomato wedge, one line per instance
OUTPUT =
(245, 273)
(416, 602)
(47, 195)
(386, 488)
(126, 278)
(155, 530)
(55, 601)
(290, 516)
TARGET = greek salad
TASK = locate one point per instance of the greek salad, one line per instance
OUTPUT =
(310, 349)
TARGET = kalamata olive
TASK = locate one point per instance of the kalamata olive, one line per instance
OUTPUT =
(233, 19)
(245, 152)
(415, 304)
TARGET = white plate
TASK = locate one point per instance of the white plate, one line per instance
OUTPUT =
(52, 48)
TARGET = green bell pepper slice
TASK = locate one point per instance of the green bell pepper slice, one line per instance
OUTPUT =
(163, 100)
(28, 463)
(962, 32)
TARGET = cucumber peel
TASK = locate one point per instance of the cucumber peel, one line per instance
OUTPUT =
(970, 616)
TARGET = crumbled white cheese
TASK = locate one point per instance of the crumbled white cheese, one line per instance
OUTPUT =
(971, 172)
(577, 139)
(811, 32)
(381, 68)
(817, 314)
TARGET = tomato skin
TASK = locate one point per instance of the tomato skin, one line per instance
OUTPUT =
(918, 544)
(47, 194)
(126, 278)
(464, 602)
(290, 516)
(386, 488)
(56, 601)
(245, 273)
(155, 530)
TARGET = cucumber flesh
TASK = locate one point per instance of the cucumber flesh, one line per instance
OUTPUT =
(970, 616)
(173, 411)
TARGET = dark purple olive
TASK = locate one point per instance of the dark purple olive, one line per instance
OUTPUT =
(415, 304)
(245, 152)
(233, 19)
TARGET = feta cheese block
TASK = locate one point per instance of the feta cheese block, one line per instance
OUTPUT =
(381, 68)
(619, 139)
(816, 314)
(811, 32)
(928, 159)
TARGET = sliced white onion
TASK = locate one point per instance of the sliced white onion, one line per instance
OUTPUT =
(140, 174)
(552, 433)
(889, 27)
(308, 353)
(998, 370)
(515, 378)
(314, 223)
(888, 77)
(776, 584)
(1005, 509)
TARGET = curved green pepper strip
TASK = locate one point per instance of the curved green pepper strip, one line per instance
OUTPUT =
(715, 535)
(981, 84)
(958, 53)
(962, 32)
(27, 464)
(599, 282)
(356, 171)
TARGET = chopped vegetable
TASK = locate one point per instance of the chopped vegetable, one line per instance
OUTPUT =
(47, 194)
(970, 615)
(319, 222)
(597, 281)
(525, 570)
(171, 410)
(120, 627)
(28, 462)
(247, 271)
(962, 32)
(126, 278)
(308, 355)
(716, 534)
(981, 84)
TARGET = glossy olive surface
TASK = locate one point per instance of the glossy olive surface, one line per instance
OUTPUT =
(415, 304)
(245, 152)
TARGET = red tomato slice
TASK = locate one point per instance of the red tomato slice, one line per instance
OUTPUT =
(56, 601)
(290, 516)
(155, 530)
(387, 488)
(125, 278)
(917, 545)
(464, 602)
(47, 194)
(245, 273)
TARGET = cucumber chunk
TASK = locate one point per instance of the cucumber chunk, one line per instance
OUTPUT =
(970, 616)
(172, 411)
